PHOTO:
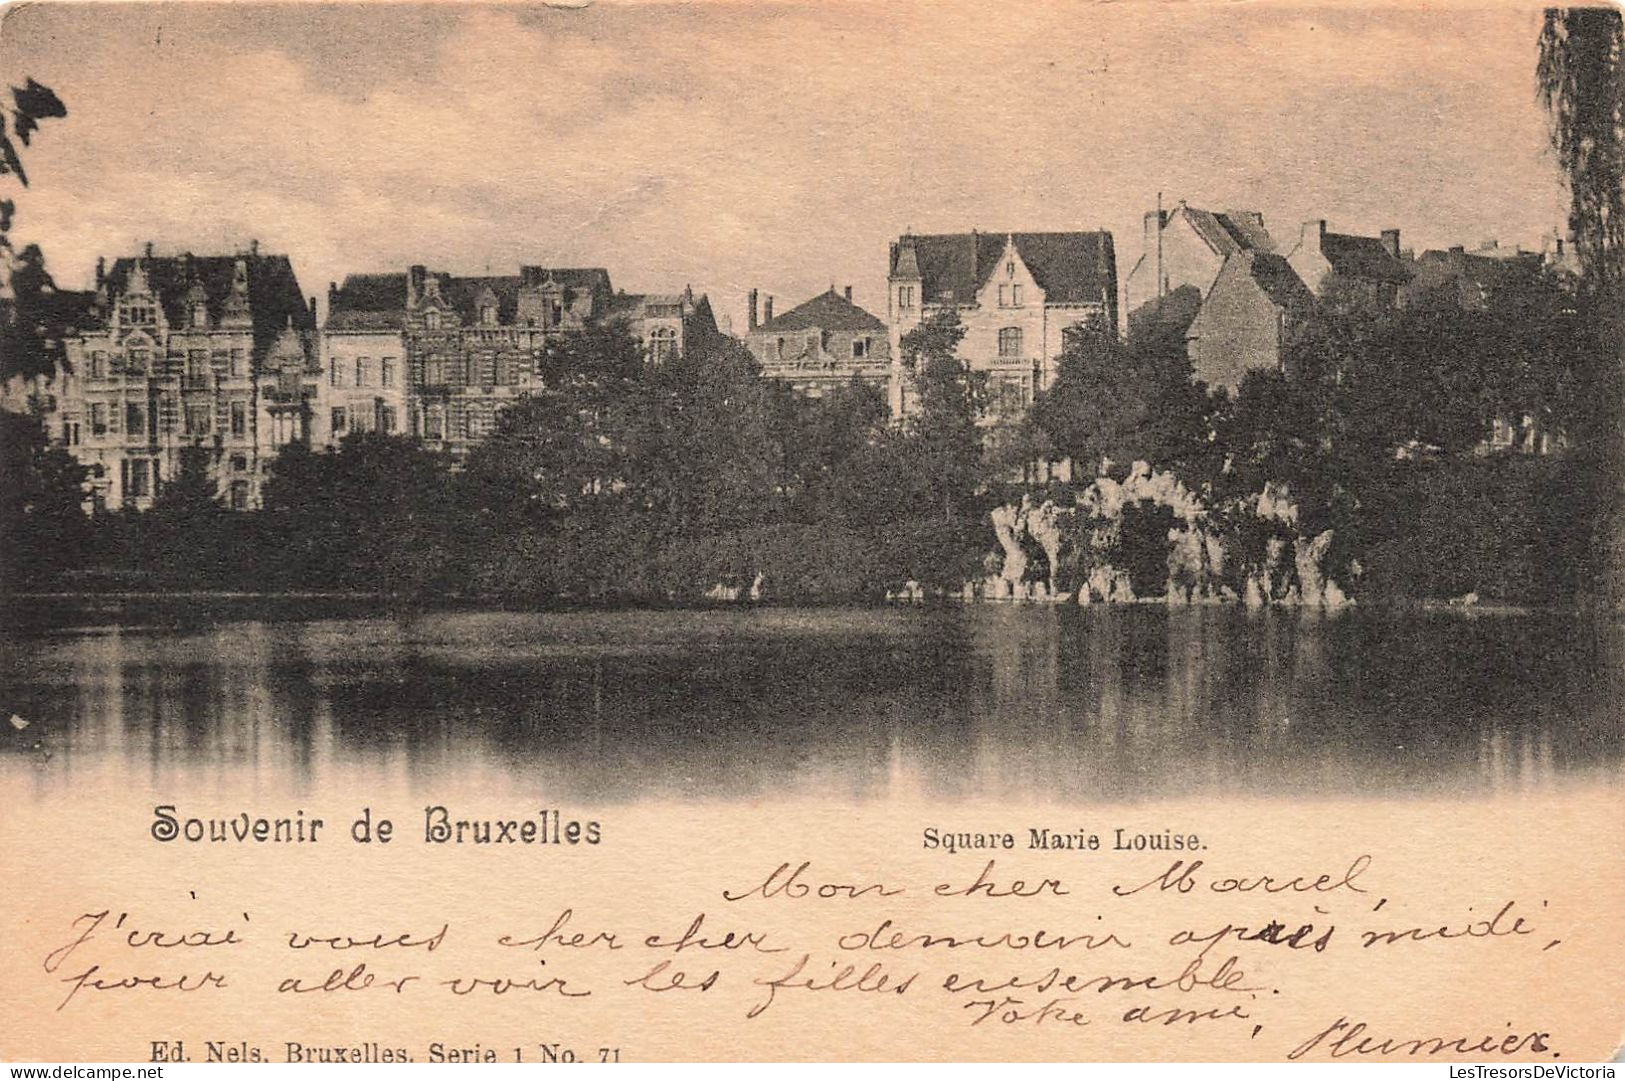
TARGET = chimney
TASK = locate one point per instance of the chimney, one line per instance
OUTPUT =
(148, 249)
(1390, 240)
(1489, 244)
(1154, 219)
(848, 292)
(767, 310)
(414, 282)
(1457, 249)
(750, 318)
(312, 309)
(253, 247)
(101, 268)
(1313, 233)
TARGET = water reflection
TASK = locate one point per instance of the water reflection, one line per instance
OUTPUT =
(1067, 704)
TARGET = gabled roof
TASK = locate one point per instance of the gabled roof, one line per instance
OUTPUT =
(273, 291)
(1279, 281)
(1070, 267)
(1230, 231)
(826, 311)
(1362, 257)
(368, 302)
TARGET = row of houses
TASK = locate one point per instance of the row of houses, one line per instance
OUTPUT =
(221, 357)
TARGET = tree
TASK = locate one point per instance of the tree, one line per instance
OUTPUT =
(1116, 402)
(30, 323)
(1581, 79)
(373, 516)
(945, 433)
(43, 527)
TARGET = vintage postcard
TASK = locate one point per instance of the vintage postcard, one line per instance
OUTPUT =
(839, 531)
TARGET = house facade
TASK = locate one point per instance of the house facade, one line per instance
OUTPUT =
(820, 345)
(1370, 268)
(1014, 293)
(207, 358)
(1247, 318)
(438, 357)
(1183, 250)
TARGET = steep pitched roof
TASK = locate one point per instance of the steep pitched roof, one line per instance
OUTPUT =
(1230, 231)
(274, 296)
(368, 302)
(1279, 281)
(1362, 257)
(826, 311)
(1069, 267)
(378, 301)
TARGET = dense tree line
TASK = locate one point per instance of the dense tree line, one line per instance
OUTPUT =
(625, 481)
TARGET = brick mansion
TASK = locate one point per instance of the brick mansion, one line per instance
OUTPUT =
(226, 357)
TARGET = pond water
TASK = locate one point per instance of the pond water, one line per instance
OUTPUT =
(1049, 704)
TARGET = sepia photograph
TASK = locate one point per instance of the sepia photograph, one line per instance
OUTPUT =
(1036, 532)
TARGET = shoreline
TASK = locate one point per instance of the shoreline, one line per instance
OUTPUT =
(395, 601)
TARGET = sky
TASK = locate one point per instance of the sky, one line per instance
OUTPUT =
(777, 146)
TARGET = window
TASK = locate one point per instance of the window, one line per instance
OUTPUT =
(1009, 396)
(1015, 296)
(239, 495)
(905, 296)
(363, 372)
(239, 463)
(860, 347)
(386, 372)
(340, 419)
(780, 353)
(1010, 342)
(1004, 295)
(140, 362)
(488, 315)
(335, 373)
(198, 419)
(662, 344)
(137, 478)
(197, 366)
(237, 362)
(135, 421)
(98, 365)
(434, 371)
(431, 320)
(98, 418)
(434, 424)
(386, 419)
(239, 419)
(70, 431)
(1010, 269)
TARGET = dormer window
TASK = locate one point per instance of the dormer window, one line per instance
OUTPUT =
(488, 315)
(200, 315)
(431, 320)
(860, 348)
